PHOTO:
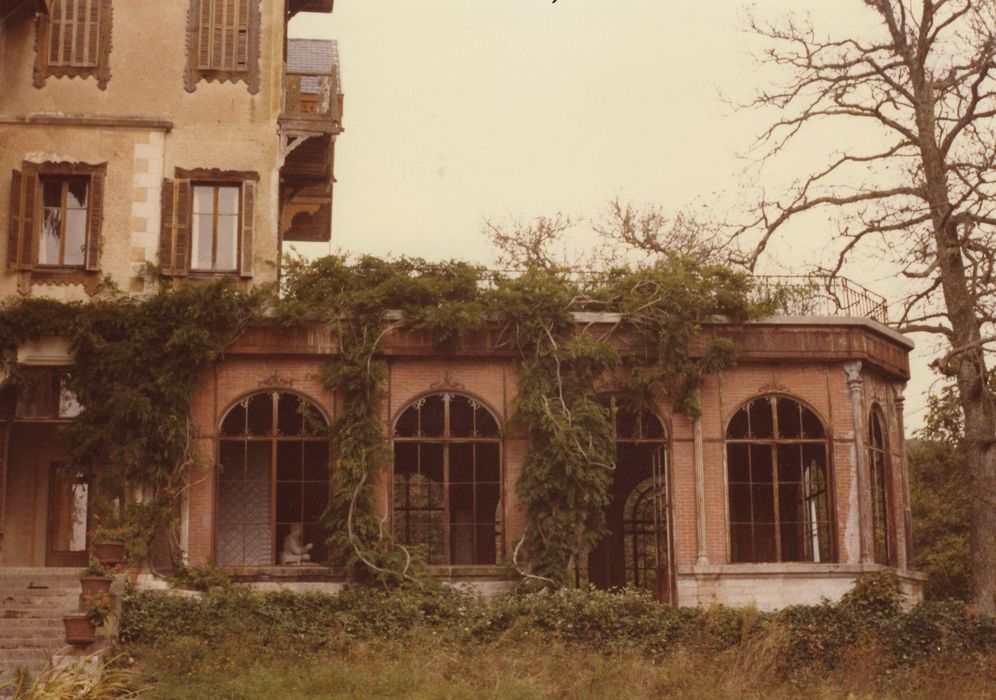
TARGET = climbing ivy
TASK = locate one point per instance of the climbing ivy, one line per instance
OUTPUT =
(137, 364)
(659, 311)
(139, 360)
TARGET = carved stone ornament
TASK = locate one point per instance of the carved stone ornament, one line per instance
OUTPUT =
(852, 370)
(773, 387)
(275, 380)
(447, 382)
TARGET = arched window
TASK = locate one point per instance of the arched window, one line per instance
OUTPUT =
(776, 458)
(447, 480)
(879, 469)
(636, 547)
(273, 455)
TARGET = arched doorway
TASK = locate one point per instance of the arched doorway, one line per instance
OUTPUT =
(273, 475)
(636, 551)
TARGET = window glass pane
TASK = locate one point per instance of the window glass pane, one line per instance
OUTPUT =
(203, 199)
(51, 193)
(741, 543)
(258, 457)
(228, 200)
(812, 427)
(289, 418)
(228, 243)
(231, 456)
(763, 503)
(760, 464)
(486, 424)
(789, 419)
(48, 247)
(235, 421)
(738, 462)
(431, 461)
(761, 419)
(407, 423)
(462, 462)
(316, 500)
(739, 503)
(790, 463)
(461, 417)
(75, 237)
(431, 416)
(290, 502)
(260, 417)
(289, 461)
(316, 461)
(764, 542)
(200, 255)
(737, 429)
(488, 462)
(76, 196)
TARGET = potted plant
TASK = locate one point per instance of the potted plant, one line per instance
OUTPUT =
(80, 632)
(95, 578)
(97, 608)
(108, 545)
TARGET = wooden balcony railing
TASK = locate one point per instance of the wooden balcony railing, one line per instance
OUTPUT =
(313, 97)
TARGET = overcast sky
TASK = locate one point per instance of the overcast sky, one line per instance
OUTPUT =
(457, 111)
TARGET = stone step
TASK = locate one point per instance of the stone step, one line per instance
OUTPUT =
(46, 642)
(38, 613)
(13, 624)
(38, 571)
(18, 657)
(40, 601)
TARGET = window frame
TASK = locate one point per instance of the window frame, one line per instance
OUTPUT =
(274, 439)
(773, 443)
(197, 71)
(446, 440)
(64, 182)
(882, 469)
(99, 67)
(27, 218)
(177, 211)
(215, 215)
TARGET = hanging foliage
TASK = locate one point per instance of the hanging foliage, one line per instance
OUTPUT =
(138, 363)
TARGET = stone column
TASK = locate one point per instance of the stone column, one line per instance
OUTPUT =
(907, 548)
(701, 558)
(855, 385)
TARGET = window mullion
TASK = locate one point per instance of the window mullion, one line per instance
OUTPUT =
(63, 215)
(214, 231)
(774, 483)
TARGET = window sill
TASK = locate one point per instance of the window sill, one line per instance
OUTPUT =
(789, 569)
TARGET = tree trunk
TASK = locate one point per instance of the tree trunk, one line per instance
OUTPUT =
(967, 359)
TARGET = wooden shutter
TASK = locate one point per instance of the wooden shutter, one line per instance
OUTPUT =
(181, 243)
(167, 232)
(242, 37)
(248, 226)
(26, 253)
(93, 32)
(204, 35)
(14, 234)
(56, 31)
(94, 219)
(174, 233)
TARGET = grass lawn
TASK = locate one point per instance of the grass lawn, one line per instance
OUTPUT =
(423, 666)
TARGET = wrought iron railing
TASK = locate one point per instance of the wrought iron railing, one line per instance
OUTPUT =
(821, 295)
(794, 295)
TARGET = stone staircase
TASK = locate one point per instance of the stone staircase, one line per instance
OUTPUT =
(32, 604)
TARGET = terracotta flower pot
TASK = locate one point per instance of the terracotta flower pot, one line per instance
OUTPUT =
(79, 632)
(95, 584)
(109, 553)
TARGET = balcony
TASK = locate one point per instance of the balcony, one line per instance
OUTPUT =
(312, 96)
(822, 295)
(295, 6)
(310, 120)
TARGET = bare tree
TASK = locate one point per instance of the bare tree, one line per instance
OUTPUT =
(652, 230)
(927, 195)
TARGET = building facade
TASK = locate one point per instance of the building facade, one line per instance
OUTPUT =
(194, 146)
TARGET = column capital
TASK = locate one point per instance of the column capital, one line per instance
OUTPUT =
(852, 370)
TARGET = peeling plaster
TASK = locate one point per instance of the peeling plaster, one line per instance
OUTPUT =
(852, 530)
